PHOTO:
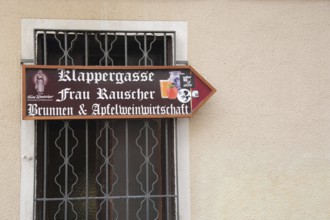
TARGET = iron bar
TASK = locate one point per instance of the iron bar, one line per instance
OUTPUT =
(165, 50)
(126, 48)
(110, 197)
(45, 170)
(65, 48)
(127, 169)
(86, 48)
(107, 171)
(66, 172)
(167, 168)
(176, 165)
(145, 49)
(45, 47)
(106, 49)
(147, 169)
(86, 170)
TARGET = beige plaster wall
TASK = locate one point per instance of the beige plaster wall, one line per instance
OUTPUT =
(260, 148)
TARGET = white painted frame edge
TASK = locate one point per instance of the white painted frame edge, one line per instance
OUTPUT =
(27, 127)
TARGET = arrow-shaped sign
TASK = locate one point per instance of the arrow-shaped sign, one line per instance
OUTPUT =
(91, 92)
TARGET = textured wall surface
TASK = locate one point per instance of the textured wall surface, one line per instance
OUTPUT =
(260, 148)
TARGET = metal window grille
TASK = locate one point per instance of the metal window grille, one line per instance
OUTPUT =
(104, 48)
(105, 169)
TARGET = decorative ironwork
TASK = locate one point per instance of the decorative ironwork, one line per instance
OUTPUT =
(66, 167)
(104, 49)
(65, 49)
(144, 150)
(145, 51)
(106, 152)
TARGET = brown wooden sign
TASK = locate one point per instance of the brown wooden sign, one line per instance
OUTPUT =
(93, 92)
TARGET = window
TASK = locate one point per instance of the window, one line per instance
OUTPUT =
(105, 169)
(103, 159)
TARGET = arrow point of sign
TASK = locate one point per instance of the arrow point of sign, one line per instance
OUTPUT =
(204, 88)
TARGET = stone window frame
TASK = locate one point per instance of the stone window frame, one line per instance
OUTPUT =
(28, 129)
